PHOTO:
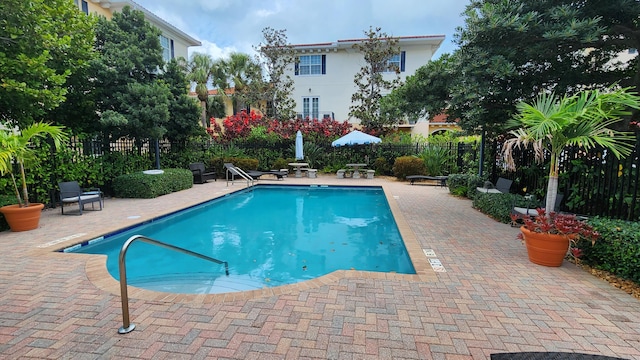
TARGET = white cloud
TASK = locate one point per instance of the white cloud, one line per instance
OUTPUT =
(236, 25)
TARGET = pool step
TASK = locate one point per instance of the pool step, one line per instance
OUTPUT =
(198, 284)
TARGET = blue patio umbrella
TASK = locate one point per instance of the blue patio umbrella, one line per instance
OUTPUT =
(356, 138)
(299, 147)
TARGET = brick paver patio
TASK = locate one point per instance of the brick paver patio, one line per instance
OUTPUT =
(490, 299)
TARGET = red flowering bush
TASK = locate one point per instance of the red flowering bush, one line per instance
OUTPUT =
(561, 224)
(239, 126)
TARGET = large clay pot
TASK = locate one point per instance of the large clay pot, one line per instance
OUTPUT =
(545, 249)
(22, 218)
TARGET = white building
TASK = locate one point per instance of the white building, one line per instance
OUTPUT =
(175, 43)
(323, 76)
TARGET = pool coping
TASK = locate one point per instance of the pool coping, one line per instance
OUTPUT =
(97, 273)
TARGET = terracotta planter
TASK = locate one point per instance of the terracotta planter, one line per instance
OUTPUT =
(545, 249)
(22, 219)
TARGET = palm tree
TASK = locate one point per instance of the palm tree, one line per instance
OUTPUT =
(240, 70)
(17, 146)
(553, 123)
(200, 73)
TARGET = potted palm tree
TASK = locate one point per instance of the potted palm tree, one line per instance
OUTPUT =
(16, 147)
(553, 123)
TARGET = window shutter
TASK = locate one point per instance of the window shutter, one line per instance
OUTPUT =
(173, 54)
(297, 70)
(402, 58)
(324, 64)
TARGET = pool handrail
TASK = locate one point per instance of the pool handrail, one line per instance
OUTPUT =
(127, 327)
(234, 170)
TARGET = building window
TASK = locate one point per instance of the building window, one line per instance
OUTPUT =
(310, 107)
(396, 63)
(85, 7)
(166, 48)
(311, 65)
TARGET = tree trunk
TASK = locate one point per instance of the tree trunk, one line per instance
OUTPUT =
(552, 193)
(204, 113)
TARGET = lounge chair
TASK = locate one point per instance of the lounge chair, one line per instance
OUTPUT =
(200, 175)
(531, 208)
(502, 186)
(441, 180)
(70, 192)
(231, 171)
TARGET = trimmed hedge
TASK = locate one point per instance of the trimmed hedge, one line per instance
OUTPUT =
(144, 186)
(458, 184)
(408, 165)
(6, 200)
(618, 249)
(496, 205)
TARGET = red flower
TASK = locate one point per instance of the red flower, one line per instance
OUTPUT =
(562, 224)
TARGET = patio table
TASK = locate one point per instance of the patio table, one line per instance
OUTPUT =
(356, 173)
(298, 167)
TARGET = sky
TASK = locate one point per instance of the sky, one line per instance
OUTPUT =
(226, 26)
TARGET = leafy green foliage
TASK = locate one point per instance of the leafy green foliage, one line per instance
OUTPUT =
(458, 184)
(133, 101)
(498, 206)
(377, 48)
(184, 112)
(5, 200)
(42, 43)
(617, 250)
(382, 166)
(408, 165)
(140, 185)
(513, 50)
(424, 92)
(438, 160)
(276, 87)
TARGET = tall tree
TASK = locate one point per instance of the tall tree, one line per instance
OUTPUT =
(131, 99)
(510, 51)
(241, 69)
(42, 43)
(275, 55)
(374, 78)
(200, 73)
(184, 112)
(426, 92)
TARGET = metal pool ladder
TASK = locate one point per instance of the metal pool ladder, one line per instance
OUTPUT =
(127, 327)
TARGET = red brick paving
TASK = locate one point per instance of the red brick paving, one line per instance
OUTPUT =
(490, 299)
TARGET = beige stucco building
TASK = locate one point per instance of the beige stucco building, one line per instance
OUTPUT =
(175, 43)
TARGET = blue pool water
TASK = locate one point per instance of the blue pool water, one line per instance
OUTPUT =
(269, 235)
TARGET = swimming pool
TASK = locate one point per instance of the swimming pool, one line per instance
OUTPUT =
(270, 236)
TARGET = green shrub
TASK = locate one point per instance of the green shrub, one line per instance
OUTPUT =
(408, 165)
(281, 163)
(496, 205)
(6, 200)
(617, 250)
(382, 166)
(473, 181)
(141, 185)
(438, 160)
(331, 169)
(458, 184)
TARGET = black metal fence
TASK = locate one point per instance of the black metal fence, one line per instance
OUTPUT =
(594, 183)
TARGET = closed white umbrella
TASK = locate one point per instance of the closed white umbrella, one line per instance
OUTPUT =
(299, 147)
(356, 138)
